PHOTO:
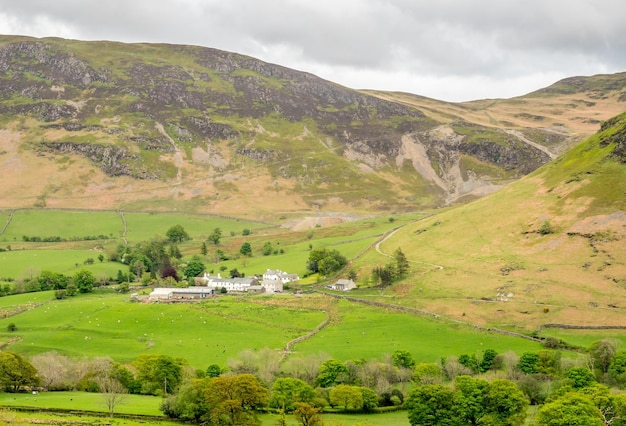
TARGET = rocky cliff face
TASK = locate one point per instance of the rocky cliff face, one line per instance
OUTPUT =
(142, 111)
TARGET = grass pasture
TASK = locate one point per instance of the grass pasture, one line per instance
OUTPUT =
(111, 325)
(67, 224)
(217, 330)
(134, 404)
(144, 226)
(26, 263)
(368, 332)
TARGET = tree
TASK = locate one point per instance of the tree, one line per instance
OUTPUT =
(346, 396)
(602, 353)
(369, 397)
(329, 373)
(469, 399)
(384, 275)
(177, 234)
(528, 363)
(235, 399)
(169, 271)
(215, 236)
(403, 359)
(158, 374)
(581, 377)
(49, 280)
(402, 264)
(203, 249)
(213, 370)
(617, 367)
(194, 268)
(234, 273)
(307, 415)
(113, 393)
(190, 404)
(267, 248)
(325, 261)
(431, 405)
(505, 403)
(16, 372)
(286, 391)
(84, 281)
(246, 249)
(11, 327)
(427, 373)
(245, 232)
(569, 410)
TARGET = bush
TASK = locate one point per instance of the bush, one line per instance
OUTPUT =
(11, 327)
(60, 294)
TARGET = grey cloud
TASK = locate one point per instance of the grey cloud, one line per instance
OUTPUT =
(481, 39)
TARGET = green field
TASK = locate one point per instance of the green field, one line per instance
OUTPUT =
(106, 324)
(133, 404)
(149, 406)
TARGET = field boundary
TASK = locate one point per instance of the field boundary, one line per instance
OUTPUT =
(6, 225)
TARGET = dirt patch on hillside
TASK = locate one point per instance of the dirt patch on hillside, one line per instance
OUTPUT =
(311, 222)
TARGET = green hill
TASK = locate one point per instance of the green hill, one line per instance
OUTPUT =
(549, 248)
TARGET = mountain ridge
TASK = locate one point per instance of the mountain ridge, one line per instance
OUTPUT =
(148, 126)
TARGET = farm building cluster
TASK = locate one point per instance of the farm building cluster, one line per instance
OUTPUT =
(272, 281)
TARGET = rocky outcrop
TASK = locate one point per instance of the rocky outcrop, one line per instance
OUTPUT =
(113, 160)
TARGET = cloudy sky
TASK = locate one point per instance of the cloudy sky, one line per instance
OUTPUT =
(452, 50)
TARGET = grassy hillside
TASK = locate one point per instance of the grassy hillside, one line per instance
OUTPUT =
(550, 248)
(184, 128)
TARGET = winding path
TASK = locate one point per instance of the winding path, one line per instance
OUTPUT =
(121, 213)
(388, 255)
(6, 225)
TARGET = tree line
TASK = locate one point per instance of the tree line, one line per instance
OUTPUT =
(482, 388)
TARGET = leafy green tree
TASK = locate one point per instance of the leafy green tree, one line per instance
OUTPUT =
(203, 249)
(215, 236)
(213, 370)
(346, 396)
(369, 397)
(245, 232)
(505, 404)
(487, 361)
(84, 281)
(194, 268)
(235, 399)
(404, 359)
(16, 372)
(571, 409)
(330, 373)
(267, 248)
(286, 391)
(549, 362)
(246, 249)
(190, 403)
(307, 415)
(431, 405)
(234, 273)
(469, 399)
(617, 368)
(325, 261)
(581, 377)
(177, 234)
(528, 363)
(427, 373)
(49, 280)
(158, 374)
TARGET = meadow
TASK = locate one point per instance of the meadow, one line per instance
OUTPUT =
(147, 406)
(212, 332)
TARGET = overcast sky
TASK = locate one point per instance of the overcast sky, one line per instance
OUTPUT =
(452, 50)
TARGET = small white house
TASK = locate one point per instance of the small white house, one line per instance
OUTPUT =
(272, 286)
(343, 285)
(278, 275)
